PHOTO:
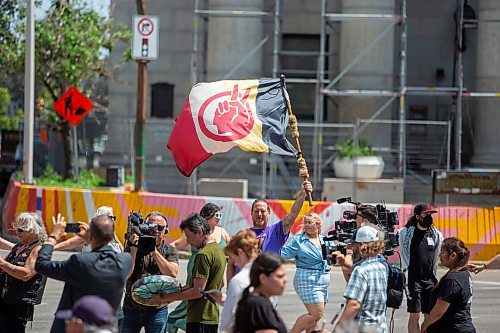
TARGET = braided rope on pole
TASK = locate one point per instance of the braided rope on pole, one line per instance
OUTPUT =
(294, 127)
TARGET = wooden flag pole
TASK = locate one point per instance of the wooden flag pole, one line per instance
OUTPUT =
(294, 127)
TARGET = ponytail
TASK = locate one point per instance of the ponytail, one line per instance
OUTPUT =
(265, 263)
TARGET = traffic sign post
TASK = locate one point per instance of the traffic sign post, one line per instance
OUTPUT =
(73, 106)
(144, 48)
(145, 37)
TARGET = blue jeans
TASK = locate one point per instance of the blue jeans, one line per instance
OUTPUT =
(153, 322)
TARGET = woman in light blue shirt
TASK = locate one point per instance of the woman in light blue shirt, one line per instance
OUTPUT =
(313, 274)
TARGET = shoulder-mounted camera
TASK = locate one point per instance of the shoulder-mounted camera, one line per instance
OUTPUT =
(146, 231)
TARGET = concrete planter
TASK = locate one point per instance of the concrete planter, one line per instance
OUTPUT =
(368, 167)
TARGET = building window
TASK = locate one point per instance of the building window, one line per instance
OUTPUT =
(299, 60)
(162, 100)
(299, 55)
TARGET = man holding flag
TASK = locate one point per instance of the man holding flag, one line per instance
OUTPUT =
(249, 114)
(273, 237)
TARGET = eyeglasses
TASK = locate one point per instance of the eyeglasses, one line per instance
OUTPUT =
(218, 215)
(20, 230)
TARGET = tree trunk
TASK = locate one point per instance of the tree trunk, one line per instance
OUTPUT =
(68, 151)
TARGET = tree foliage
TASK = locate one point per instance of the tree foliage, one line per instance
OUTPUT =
(8, 121)
(72, 43)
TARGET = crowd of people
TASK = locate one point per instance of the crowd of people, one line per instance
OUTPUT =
(99, 281)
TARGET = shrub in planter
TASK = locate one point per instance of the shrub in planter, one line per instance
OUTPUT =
(364, 159)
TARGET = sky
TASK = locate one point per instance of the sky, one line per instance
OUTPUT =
(100, 6)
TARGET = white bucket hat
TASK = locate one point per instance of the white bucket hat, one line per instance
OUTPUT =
(367, 234)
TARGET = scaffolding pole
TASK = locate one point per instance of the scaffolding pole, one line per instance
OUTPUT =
(460, 73)
(402, 92)
(319, 107)
(201, 15)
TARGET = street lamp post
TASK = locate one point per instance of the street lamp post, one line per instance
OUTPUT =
(29, 93)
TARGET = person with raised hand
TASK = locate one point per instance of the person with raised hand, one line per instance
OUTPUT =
(102, 272)
(82, 237)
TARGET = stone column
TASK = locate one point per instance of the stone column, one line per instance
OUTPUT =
(230, 39)
(375, 70)
(487, 113)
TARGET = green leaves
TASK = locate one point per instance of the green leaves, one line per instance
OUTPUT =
(8, 121)
(72, 43)
(347, 149)
(50, 177)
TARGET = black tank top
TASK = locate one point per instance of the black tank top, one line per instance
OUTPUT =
(16, 291)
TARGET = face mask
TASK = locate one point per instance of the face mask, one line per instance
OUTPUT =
(426, 222)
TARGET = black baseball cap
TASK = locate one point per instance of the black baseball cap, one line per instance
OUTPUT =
(423, 208)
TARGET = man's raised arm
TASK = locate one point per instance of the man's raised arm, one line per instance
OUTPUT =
(297, 206)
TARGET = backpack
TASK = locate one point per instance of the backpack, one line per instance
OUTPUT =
(396, 282)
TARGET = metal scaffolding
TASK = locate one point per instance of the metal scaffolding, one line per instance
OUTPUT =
(201, 17)
(327, 87)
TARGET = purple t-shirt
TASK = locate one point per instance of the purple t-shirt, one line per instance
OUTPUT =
(271, 238)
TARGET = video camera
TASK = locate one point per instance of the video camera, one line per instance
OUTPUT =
(342, 234)
(387, 221)
(327, 251)
(146, 231)
(345, 230)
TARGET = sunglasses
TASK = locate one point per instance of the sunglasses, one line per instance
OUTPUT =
(20, 230)
(112, 217)
(161, 228)
(218, 215)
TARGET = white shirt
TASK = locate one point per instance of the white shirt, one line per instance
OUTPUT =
(115, 246)
(234, 291)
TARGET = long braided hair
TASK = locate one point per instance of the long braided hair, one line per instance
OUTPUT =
(454, 244)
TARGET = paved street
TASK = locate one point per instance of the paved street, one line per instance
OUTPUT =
(486, 304)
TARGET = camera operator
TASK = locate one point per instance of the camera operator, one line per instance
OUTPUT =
(366, 215)
(162, 259)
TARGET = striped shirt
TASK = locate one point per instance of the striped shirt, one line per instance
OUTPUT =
(368, 286)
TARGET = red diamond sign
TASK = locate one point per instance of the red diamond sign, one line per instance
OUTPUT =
(73, 106)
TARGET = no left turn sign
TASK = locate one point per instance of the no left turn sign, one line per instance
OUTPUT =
(145, 27)
(145, 37)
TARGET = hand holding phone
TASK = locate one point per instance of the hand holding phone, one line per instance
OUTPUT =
(72, 228)
(207, 296)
